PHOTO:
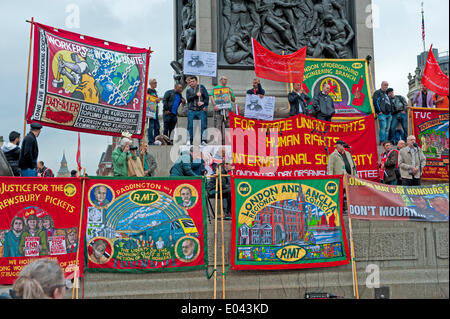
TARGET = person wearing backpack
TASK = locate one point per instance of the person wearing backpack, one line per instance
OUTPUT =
(43, 171)
(399, 115)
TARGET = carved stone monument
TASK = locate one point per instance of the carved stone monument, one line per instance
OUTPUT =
(334, 29)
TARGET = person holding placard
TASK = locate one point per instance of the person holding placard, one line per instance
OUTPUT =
(198, 99)
(152, 111)
(222, 98)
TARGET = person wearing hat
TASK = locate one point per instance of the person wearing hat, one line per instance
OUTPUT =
(134, 163)
(12, 152)
(341, 160)
(30, 151)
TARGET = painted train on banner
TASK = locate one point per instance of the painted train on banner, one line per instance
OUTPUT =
(288, 225)
(146, 227)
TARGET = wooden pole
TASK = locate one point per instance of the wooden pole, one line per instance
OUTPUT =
(28, 79)
(221, 223)
(76, 272)
(215, 237)
(410, 121)
(352, 249)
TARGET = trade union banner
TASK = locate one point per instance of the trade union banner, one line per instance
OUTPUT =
(144, 225)
(287, 224)
(349, 85)
(299, 146)
(281, 68)
(39, 217)
(430, 127)
(85, 84)
(374, 201)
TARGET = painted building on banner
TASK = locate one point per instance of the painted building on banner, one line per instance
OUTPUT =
(276, 224)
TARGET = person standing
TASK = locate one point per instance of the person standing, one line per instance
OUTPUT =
(220, 116)
(120, 157)
(341, 160)
(257, 89)
(383, 109)
(400, 145)
(44, 171)
(411, 162)
(323, 105)
(30, 151)
(399, 105)
(423, 98)
(134, 163)
(153, 123)
(150, 164)
(441, 101)
(198, 99)
(389, 164)
(171, 101)
(12, 152)
(298, 101)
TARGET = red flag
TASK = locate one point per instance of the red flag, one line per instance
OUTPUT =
(433, 77)
(281, 68)
(79, 154)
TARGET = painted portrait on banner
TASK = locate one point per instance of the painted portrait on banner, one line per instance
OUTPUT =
(147, 226)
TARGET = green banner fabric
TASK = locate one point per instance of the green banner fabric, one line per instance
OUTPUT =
(349, 85)
(288, 224)
(145, 224)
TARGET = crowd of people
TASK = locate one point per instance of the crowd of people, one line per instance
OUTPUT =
(391, 110)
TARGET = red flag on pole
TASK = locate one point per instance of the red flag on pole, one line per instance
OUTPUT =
(433, 77)
(281, 68)
(79, 154)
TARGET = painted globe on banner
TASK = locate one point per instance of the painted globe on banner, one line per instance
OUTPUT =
(119, 86)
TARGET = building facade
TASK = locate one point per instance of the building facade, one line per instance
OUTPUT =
(414, 81)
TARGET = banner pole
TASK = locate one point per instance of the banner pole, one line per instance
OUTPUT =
(28, 78)
(287, 84)
(221, 223)
(144, 142)
(352, 249)
(410, 121)
(215, 236)
(76, 272)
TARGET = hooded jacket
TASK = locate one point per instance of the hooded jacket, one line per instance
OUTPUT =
(12, 154)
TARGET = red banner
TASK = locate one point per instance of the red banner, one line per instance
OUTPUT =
(297, 146)
(86, 84)
(39, 217)
(374, 201)
(433, 77)
(430, 127)
(145, 225)
(282, 68)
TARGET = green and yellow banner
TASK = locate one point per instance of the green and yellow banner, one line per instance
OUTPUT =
(289, 223)
(349, 84)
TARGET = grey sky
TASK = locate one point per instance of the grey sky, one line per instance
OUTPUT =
(144, 23)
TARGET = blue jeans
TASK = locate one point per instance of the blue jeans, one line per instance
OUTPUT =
(196, 115)
(28, 172)
(385, 126)
(153, 130)
(403, 119)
